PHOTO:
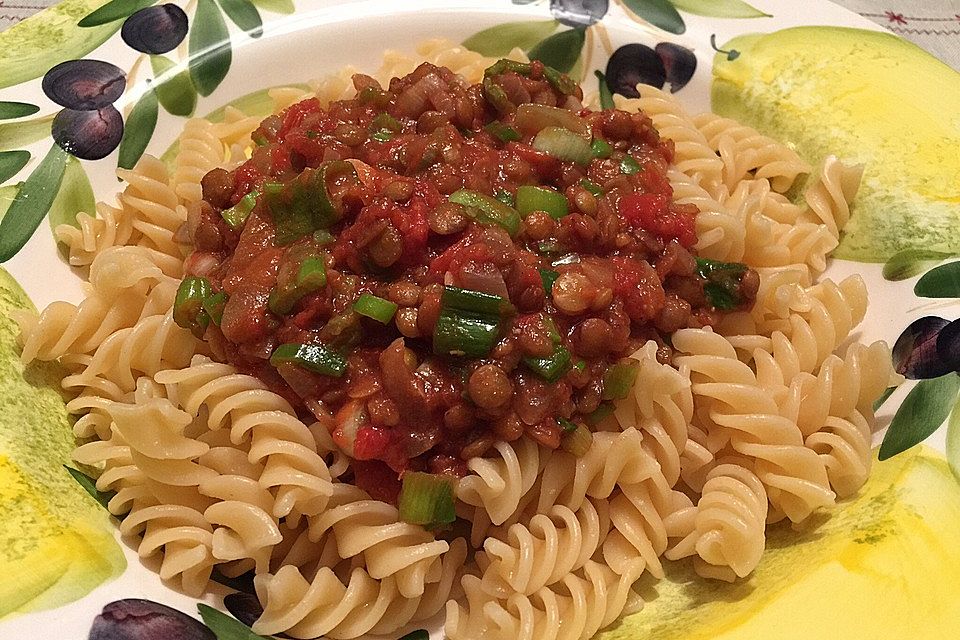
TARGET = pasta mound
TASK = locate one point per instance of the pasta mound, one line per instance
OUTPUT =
(767, 418)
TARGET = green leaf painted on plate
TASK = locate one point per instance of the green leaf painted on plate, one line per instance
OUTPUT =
(606, 96)
(75, 196)
(244, 14)
(114, 10)
(910, 262)
(226, 627)
(720, 8)
(30, 48)
(138, 130)
(561, 50)
(175, 91)
(499, 40)
(11, 162)
(210, 52)
(953, 441)
(659, 13)
(7, 195)
(90, 486)
(941, 282)
(14, 135)
(32, 202)
(10, 110)
(883, 397)
(923, 411)
(276, 6)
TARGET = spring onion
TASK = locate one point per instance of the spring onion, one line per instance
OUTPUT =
(188, 311)
(375, 307)
(559, 81)
(618, 379)
(532, 118)
(548, 276)
(385, 122)
(214, 305)
(549, 247)
(426, 499)
(567, 425)
(629, 166)
(381, 136)
(599, 414)
(576, 441)
(497, 97)
(313, 357)
(580, 365)
(302, 273)
(722, 286)
(563, 144)
(487, 210)
(322, 237)
(552, 367)
(502, 132)
(238, 213)
(601, 148)
(469, 322)
(259, 139)
(606, 96)
(530, 199)
(504, 196)
(306, 203)
(592, 187)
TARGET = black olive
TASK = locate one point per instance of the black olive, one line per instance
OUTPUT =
(579, 13)
(244, 606)
(680, 64)
(88, 135)
(634, 64)
(135, 619)
(84, 85)
(155, 29)
(917, 352)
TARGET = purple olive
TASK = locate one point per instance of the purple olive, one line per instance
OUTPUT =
(679, 62)
(916, 353)
(88, 135)
(84, 85)
(155, 29)
(579, 13)
(244, 606)
(948, 345)
(135, 619)
(634, 64)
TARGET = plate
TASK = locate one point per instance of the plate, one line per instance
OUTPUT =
(726, 52)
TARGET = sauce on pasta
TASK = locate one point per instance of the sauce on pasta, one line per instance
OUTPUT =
(434, 266)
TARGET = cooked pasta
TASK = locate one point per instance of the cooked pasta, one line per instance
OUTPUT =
(715, 434)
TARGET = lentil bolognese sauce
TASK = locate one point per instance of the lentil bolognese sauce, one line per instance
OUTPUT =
(433, 266)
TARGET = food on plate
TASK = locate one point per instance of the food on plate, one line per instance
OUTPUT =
(450, 338)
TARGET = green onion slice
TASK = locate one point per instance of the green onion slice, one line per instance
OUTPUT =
(238, 213)
(618, 380)
(600, 148)
(488, 210)
(548, 276)
(313, 357)
(426, 499)
(563, 144)
(553, 366)
(598, 415)
(530, 199)
(469, 323)
(502, 132)
(188, 311)
(629, 166)
(592, 187)
(722, 286)
(302, 273)
(214, 305)
(308, 202)
(375, 307)
(576, 441)
(567, 425)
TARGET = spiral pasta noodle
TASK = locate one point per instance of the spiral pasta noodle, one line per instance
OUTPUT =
(720, 433)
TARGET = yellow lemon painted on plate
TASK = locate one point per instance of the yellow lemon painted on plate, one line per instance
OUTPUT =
(884, 566)
(868, 97)
(56, 542)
